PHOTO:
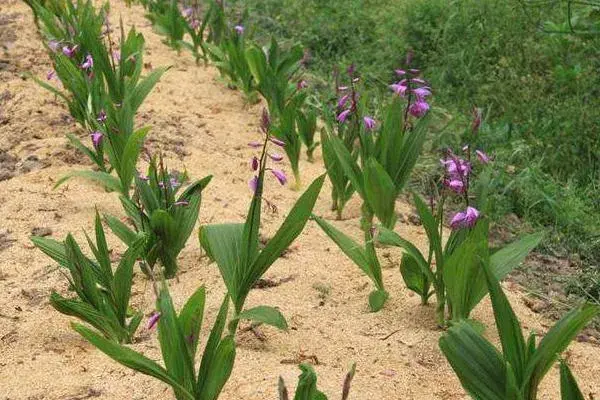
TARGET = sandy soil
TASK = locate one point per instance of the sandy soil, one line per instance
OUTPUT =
(204, 127)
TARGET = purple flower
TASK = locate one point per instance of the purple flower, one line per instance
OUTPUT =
(280, 175)
(50, 75)
(465, 219)
(116, 55)
(254, 163)
(181, 203)
(343, 100)
(69, 51)
(195, 24)
(456, 185)
(456, 167)
(483, 158)
(187, 12)
(153, 320)
(419, 80)
(88, 63)
(54, 45)
(253, 184)
(422, 92)
(239, 29)
(400, 72)
(144, 178)
(302, 84)
(278, 142)
(101, 116)
(255, 145)
(96, 139)
(276, 157)
(174, 183)
(343, 116)
(369, 123)
(399, 88)
(343, 88)
(418, 109)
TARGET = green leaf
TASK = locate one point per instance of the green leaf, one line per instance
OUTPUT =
(224, 242)
(173, 343)
(211, 347)
(107, 180)
(475, 361)
(220, 369)
(556, 341)
(569, 389)
(289, 230)
(130, 156)
(266, 315)
(144, 88)
(348, 246)
(190, 319)
(86, 312)
(377, 299)
(509, 328)
(307, 383)
(413, 276)
(131, 359)
(52, 248)
(391, 238)
(348, 165)
(121, 230)
(380, 192)
(123, 278)
(432, 226)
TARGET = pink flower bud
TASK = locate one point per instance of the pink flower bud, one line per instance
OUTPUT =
(341, 118)
(96, 139)
(276, 157)
(253, 184)
(153, 320)
(278, 142)
(254, 163)
(280, 175)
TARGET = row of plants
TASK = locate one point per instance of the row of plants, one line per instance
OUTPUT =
(369, 148)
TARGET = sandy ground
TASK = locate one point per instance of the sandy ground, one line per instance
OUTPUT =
(203, 126)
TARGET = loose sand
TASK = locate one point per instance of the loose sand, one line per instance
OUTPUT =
(204, 127)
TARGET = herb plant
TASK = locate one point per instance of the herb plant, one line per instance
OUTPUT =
(276, 77)
(102, 294)
(103, 86)
(516, 372)
(307, 385)
(166, 217)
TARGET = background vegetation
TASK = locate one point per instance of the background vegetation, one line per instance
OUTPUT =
(537, 84)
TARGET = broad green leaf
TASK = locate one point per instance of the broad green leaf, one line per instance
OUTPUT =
(224, 242)
(432, 226)
(475, 361)
(130, 157)
(413, 276)
(190, 319)
(266, 315)
(123, 278)
(220, 369)
(307, 383)
(144, 88)
(556, 341)
(210, 349)
(509, 328)
(173, 343)
(380, 192)
(131, 359)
